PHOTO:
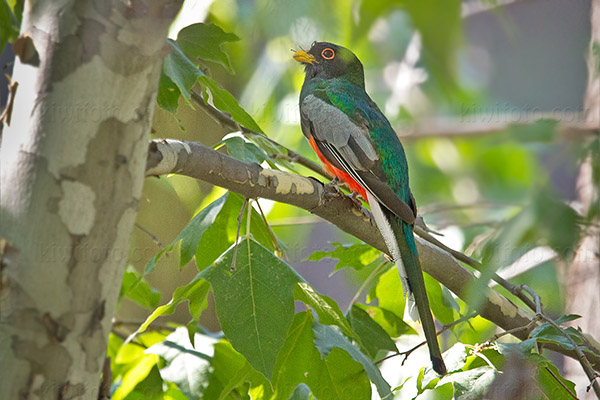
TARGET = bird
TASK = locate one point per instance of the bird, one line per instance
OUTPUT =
(356, 143)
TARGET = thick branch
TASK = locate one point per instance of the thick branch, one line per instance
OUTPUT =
(251, 180)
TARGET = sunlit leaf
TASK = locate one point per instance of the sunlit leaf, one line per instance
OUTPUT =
(437, 301)
(389, 292)
(355, 256)
(185, 366)
(205, 41)
(225, 102)
(242, 150)
(134, 376)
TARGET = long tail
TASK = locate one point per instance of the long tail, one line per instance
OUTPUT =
(399, 238)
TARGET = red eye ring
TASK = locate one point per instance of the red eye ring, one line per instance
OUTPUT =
(328, 57)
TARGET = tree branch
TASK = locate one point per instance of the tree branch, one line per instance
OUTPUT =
(251, 180)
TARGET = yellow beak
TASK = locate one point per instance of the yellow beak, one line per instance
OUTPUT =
(304, 57)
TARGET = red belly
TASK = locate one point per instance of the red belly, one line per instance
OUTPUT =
(354, 186)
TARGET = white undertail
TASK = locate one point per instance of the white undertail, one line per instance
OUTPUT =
(391, 242)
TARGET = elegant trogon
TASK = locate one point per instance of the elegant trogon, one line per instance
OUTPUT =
(357, 144)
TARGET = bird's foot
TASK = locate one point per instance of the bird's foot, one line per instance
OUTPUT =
(332, 188)
(357, 202)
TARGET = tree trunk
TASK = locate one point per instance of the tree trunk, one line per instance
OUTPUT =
(583, 296)
(72, 167)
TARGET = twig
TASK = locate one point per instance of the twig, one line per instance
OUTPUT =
(269, 229)
(152, 236)
(442, 330)
(237, 236)
(224, 120)
(105, 383)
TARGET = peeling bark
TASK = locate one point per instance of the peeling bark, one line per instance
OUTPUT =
(72, 168)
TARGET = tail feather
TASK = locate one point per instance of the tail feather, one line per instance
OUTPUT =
(398, 237)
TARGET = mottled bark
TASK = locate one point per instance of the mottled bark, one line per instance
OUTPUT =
(72, 168)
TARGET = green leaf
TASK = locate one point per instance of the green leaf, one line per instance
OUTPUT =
(245, 151)
(522, 349)
(225, 102)
(327, 338)
(327, 310)
(232, 375)
(10, 13)
(205, 41)
(191, 236)
(471, 384)
(134, 376)
(549, 377)
(151, 387)
(390, 322)
(297, 356)
(185, 366)
(437, 301)
(335, 376)
(341, 377)
(135, 288)
(549, 334)
(455, 357)
(373, 337)
(196, 292)
(255, 303)
(222, 233)
(181, 70)
(302, 392)
(168, 94)
(567, 318)
(389, 292)
(354, 256)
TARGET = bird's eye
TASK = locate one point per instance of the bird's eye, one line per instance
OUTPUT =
(328, 54)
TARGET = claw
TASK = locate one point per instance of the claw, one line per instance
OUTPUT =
(357, 202)
(332, 188)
